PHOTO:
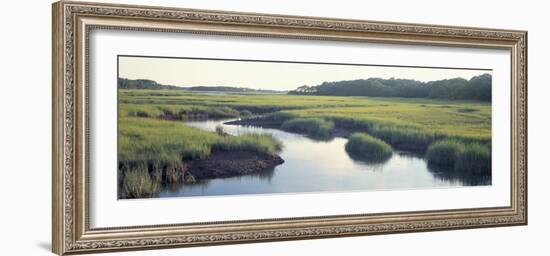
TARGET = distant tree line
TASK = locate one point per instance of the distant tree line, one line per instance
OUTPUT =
(477, 88)
(124, 83)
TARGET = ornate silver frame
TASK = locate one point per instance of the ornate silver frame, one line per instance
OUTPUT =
(72, 21)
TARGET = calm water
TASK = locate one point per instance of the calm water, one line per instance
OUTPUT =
(316, 166)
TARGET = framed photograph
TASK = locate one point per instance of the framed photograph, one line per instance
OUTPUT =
(179, 127)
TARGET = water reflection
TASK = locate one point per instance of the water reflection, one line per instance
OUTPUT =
(450, 174)
(323, 165)
(368, 161)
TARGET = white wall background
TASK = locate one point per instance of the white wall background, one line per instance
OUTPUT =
(25, 148)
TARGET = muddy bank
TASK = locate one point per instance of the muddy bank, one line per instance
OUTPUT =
(224, 164)
(145, 180)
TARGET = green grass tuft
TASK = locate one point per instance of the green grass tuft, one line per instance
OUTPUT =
(444, 153)
(362, 146)
(470, 158)
(259, 143)
(405, 136)
(312, 126)
(137, 183)
(475, 158)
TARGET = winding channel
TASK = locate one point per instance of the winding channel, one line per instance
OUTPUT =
(319, 166)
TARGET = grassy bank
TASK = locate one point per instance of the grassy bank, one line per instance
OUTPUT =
(178, 112)
(316, 127)
(162, 147)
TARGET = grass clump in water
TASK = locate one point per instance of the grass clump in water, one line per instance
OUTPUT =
(472, 158)
(364, 147)
(318, 127)
(476, 158)
(444, 153)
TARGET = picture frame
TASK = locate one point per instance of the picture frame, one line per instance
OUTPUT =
(73, 23)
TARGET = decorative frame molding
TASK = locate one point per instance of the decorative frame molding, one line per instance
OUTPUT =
(72, 22)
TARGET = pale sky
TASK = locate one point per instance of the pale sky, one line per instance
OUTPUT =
(268, 75)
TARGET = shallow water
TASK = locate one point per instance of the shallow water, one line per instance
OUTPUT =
(321, 166)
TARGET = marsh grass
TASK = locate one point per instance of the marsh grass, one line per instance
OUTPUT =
(402, 133)
(408, 126)
(220, 130)
(467, 110)
(177, 112)
(278, 117)
(173, 173)
(259, 143)
(317, 127)
(426, 116)
(152, 141)
(444, 153)
(470, 158)
(245, 113)
(137, 183)
(364, 147)
(475, 158)
(153, 151)
(405, 137)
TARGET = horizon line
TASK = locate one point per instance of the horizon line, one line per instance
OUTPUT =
(282, 90)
